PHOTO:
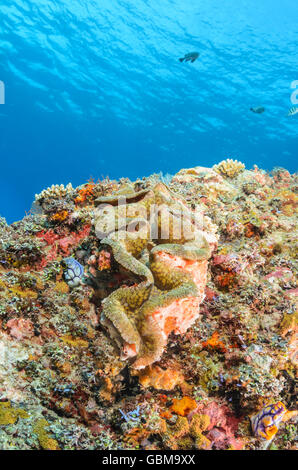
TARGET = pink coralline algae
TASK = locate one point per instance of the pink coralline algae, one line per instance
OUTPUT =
(62, 245)
(223, 427)
(20, 328)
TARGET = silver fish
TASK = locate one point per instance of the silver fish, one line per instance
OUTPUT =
(292, 111)
(191, 56)
(258, 110)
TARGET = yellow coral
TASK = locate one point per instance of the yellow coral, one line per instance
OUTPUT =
(64, 367)
(199, 423)
(9, 415)
(179, 429)
(183, 435)
(45, 441)
(23, 292)
(229, 168)
(62, 287)
(74, 342)
(289, 323)
(135, 436)
(175, 434)
(202, 443)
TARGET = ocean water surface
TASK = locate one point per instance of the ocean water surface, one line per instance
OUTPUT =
(94, 88)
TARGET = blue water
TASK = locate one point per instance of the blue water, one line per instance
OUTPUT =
(94, 88)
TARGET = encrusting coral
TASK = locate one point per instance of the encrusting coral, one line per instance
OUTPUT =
(46, 442)
(9, 415)
(204, 314)
(160, 379)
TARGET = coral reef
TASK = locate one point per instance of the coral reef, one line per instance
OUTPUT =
(118, 334)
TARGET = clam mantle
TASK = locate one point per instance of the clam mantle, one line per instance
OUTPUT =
(165, 245)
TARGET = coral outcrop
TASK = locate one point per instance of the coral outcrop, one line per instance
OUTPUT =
(123, 328)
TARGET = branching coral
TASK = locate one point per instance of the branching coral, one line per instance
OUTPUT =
(229, 168)
(56, 191)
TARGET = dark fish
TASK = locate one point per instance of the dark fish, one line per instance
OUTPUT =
(258, 110)
(292, 111)
(191, 56)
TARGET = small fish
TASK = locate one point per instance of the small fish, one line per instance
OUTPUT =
(258, 110)
(73, 272)
(191, 56)
(292, 111)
